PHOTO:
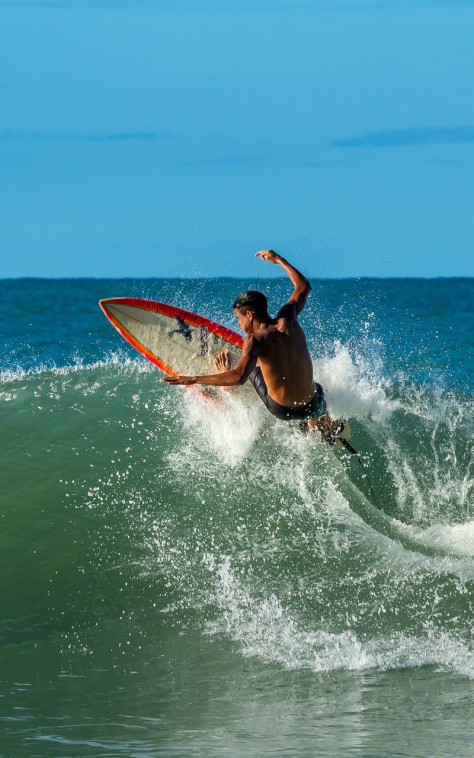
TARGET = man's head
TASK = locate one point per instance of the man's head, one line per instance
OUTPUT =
(251, 306)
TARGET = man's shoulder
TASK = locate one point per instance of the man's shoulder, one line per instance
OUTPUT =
(258, 337)
(257, 341)
(253, 341)
(269, 334)
(287, 312)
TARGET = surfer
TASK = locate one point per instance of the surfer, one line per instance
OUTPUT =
(275, 357)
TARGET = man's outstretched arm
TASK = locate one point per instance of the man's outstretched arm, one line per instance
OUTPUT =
(301, 285)
(233, 378)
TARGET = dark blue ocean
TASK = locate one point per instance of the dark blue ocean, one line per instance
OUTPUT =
(184, 580)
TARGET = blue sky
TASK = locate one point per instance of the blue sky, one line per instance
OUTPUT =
(176, 137)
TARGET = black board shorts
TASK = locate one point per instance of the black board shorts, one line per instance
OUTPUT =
(313, 409)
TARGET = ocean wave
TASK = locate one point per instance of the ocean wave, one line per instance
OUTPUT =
(118, 359)
(257, 532)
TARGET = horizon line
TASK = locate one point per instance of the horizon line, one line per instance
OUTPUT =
(233, 278)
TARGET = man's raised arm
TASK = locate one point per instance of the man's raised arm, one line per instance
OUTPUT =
(301, 285)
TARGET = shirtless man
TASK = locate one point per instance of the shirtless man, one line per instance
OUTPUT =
(275, 357)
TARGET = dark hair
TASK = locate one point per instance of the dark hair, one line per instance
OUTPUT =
(251, 300)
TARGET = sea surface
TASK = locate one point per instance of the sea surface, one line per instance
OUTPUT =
(179, 579)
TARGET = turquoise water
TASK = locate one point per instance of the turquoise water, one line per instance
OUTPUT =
(178, 580)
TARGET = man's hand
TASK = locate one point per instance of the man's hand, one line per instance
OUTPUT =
(269, 255)
(179, 379)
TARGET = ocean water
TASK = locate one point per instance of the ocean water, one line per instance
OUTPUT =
(182, 580)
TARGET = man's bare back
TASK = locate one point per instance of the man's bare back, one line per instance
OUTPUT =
(285, 362)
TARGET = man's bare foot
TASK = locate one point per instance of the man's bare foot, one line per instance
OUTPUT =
(324, 424)
(336, 433)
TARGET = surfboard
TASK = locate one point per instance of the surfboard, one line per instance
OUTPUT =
(175, 340)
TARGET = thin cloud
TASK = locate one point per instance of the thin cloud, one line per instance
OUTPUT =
(409, 137)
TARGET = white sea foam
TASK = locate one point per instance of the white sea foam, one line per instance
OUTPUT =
(268, 630)
(456, 540)
(354, 386)
(226, 424)
(117, 359)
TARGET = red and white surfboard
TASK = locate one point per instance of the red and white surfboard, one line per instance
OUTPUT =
(175, 340)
